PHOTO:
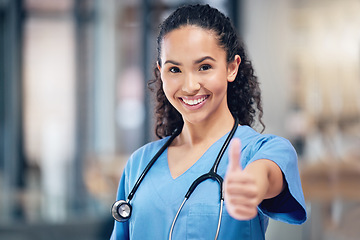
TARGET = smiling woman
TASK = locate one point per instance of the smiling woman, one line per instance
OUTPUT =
(206, 94)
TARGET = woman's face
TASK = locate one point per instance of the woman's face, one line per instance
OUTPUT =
(195, 73)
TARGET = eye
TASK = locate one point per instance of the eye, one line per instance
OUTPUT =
(205, 67)
(174, 70)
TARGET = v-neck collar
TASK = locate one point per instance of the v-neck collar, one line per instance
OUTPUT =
(171, 190)
(207, 161)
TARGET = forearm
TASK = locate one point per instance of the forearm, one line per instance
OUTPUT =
(268, 178)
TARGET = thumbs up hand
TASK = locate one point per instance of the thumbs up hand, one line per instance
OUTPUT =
(241, 190)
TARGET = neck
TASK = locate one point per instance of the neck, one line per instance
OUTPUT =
(205, 131)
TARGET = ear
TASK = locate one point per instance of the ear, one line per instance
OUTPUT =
(158, 66)
(233, 68)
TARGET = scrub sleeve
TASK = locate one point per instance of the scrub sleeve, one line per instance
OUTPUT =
(289, 206)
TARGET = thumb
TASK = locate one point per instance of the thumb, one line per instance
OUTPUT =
(234, 155)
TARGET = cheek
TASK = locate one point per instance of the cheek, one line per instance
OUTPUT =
(166, 90)
(168, 86)
(165, 83)
(218, 83)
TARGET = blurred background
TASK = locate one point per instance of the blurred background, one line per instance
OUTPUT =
(74, 104)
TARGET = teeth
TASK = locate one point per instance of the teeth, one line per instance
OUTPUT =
(194, 102)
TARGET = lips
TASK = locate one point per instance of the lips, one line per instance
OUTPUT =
(194, 100)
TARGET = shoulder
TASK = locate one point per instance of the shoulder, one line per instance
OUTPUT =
(257, 141)
(139, 159)
(265, 146)
(142, 156)
(149, 148)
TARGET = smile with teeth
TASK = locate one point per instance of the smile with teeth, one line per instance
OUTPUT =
(193, 102)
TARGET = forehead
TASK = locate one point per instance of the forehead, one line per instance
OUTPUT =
(191, 41)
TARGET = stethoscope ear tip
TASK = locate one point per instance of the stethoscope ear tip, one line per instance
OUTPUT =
(121, 211)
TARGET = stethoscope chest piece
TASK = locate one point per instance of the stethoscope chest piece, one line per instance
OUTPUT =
(121, 211)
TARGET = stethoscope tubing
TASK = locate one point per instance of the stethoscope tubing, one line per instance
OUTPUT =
(179, 210)
(176, 216)
(223, 149)
(151, 163)
(212, 174)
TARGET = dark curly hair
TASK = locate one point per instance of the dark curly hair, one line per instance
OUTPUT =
(244, 96)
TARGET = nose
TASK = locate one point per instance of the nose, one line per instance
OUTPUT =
(191, 84)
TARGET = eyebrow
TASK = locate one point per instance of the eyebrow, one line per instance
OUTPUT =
(203, 59)
(172, 62)
(196, 61)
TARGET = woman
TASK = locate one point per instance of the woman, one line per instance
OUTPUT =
(205, 88)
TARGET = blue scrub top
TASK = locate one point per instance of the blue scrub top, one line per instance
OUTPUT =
(159, 196)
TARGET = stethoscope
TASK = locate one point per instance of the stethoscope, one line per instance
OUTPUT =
(121, 210)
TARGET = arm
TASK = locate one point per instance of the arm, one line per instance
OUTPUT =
(246, 188)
